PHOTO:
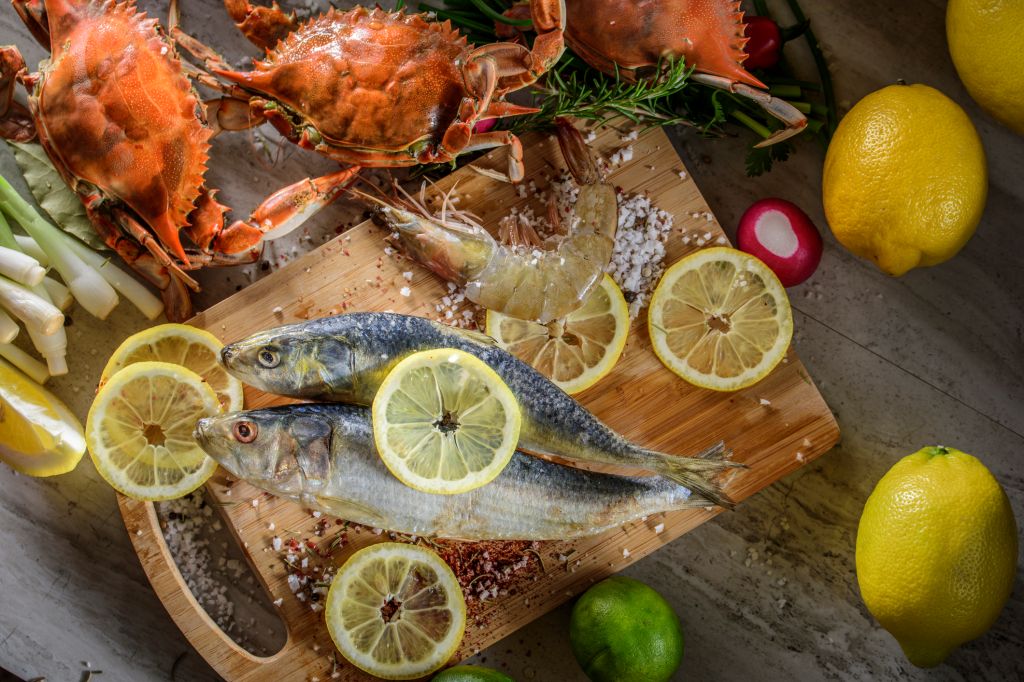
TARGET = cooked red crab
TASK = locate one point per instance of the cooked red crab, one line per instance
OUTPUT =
(630, 38)
(378, 88)
(118, 117)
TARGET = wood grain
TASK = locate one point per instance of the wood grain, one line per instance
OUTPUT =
(774, 427)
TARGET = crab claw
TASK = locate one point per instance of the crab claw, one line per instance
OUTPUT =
(280, 213)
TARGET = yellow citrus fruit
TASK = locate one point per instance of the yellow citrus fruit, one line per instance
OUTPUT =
(444, 422)
(577, 351)
(139, 430)
(181, 344)
(905, 180)
(936, 552)
(396, 611)
(987, 47)
(39, 435)
(720, 319)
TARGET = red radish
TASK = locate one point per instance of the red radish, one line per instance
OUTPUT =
(781, 235)
(764, 45)
(484, 125)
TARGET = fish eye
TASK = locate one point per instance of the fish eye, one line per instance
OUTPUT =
(269, 357)
(245, 431)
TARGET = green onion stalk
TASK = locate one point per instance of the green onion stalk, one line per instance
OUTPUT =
(86, 284)
(53, 346)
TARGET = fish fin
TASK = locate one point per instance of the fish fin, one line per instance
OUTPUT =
(479, 337)
(699, 473)
(367, 515)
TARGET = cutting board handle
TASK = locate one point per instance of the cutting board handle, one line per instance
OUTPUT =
(212, 643)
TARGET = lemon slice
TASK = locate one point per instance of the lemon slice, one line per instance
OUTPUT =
(396, 611)
(139, 430)
(444, 422)
(577, 351)
(39, 435)
(181, 344)
(720, 319)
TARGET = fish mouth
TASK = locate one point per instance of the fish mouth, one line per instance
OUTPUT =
(227, 355)
(199, 432)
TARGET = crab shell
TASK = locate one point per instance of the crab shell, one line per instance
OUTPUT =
(114, 108)
(364, 86)
(626, 36)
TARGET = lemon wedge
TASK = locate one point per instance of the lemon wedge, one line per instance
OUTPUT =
(396, 611)
(444, 422)
(577, 351)
(720, 319)
(139, 430)
(181, 344)
(39, 435)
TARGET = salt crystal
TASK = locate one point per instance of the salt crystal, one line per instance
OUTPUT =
(277, 310)
(625, 553)
(659, 528)
(765, 402)
(278, 601)
(405, 291)
(407, 275)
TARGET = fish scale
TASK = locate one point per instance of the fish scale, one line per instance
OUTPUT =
(322, 456)
(345, 358)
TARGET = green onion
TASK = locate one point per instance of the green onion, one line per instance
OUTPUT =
(87, 286)
(8, 328)
(29, 246)
(125, 284)
(26, 363)
(20, 267)
(35, 312)
(59, 294)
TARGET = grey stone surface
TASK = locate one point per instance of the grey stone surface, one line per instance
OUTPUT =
(766, 592)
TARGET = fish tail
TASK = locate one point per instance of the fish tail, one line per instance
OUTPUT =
(701, 473)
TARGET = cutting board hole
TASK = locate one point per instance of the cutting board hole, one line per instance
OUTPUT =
(211, 562)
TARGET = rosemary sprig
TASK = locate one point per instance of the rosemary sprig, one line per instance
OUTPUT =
(574, 91)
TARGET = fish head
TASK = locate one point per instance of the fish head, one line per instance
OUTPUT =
(286, 452)
(293, 361)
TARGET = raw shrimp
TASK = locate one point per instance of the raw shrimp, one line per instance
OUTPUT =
(525, 281)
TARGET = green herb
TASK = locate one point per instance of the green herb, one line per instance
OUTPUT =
(574, 89)
(53, 194)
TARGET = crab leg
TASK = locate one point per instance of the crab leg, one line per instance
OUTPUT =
(519, 66)
(282, 212)
(500, 138)
(173, 290)
(263, 26)
(15, 120)
(793, 119)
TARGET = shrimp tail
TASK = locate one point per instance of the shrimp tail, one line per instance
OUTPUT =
(700, 473)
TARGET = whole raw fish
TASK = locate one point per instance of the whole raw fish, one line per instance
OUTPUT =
(345, 358)
(323, 457)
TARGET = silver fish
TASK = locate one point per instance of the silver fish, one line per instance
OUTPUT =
(345, 358)
(322, 456)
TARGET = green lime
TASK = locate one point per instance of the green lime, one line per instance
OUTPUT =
(471, 673)
(623, 631)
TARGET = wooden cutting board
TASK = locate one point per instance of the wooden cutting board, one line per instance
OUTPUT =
(774, 427)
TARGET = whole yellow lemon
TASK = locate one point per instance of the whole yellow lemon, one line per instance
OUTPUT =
(905, 179)
(936, 552)
(987, 46)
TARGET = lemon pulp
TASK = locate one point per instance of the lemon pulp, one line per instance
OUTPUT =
(139, 430)
(444, 422)
(39, 435)
(577, 351)
(180, 344)
(396, 611)
(720, 319)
